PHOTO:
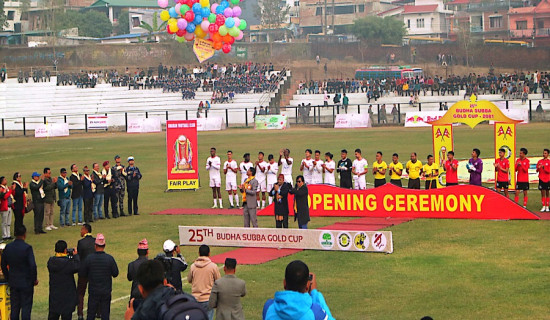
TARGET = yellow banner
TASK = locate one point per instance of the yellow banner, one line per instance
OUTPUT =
(472, 113)
(183, 184)
(442, 136)
(203, 49)
(505, 138)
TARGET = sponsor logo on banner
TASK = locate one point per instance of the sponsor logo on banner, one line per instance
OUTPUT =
(422, 118)
(270, 122)
(326, 239)
(379, 241)
(361, 241)
(98, 122)
(352, 120)
(51, 130)
(144, 125)
(288, 238)
(344, 240)
(182, 154)
(210, 124)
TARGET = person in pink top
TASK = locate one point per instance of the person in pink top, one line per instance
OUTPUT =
(202, 275)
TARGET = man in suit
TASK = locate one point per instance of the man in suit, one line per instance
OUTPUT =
(143, 253)
(248, 188)
(300, 193)
(227, 292)
(85, 247)
(19, 268)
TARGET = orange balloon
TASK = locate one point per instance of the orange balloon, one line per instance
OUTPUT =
(216, 37)
(217, 45)
(226, 38)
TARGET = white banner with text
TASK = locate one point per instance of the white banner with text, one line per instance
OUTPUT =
(51, 130)
(352, 120)
(98, 122)
(311, 239)
(144, 125)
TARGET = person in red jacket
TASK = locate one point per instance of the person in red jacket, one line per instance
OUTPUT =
(543, 168)
(451, 169)
(522, 176)
(5, 210)
(502, 169)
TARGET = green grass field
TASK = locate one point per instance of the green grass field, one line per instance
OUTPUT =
(449, 269)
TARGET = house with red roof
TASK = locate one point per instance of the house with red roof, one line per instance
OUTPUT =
(531, 23)
(426, 18)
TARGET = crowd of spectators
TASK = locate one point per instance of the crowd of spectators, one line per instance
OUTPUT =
(510, 86)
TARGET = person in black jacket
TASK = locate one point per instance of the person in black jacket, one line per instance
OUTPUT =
(174, 264)
(76, 193)
(301, 202)
(85, 247)
(344, 168)
(100, 268)
(19, 269)
(143, 254)
(280, 195)
(63, 297)
(133, 175)
(37, 193)
(19, 196)
(87, 195)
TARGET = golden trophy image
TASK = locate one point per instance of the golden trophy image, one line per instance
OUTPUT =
(183, 155)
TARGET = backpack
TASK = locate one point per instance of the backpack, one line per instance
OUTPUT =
(182, 307)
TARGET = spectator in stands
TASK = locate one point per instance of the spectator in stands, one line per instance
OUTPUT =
(300, 299)
(3, 73)
(202, 276)
(227, 293)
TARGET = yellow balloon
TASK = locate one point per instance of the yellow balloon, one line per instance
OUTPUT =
(204, 3)
(200, 33)
(164, 15)
(174, 28)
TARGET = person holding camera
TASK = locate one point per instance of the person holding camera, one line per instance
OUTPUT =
(62, 268)
(300, 299)
(174, 264)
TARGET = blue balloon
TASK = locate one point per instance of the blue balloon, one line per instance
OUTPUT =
(229, 22)
(224, 4)
(205, 12)
(190, 28)
(197, 8)
(219, 9)
(173, 12)
(198, 19)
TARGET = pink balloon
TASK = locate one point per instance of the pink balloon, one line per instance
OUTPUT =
(182, 24)
(163, 3)
(189, 36)
(212, 8)
(228, 12)
(237, 11)
(240, 36)
(204, 25)
(178, 7)
(237, 20)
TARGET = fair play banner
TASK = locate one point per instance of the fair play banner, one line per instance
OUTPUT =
(311, 239)
(98, 122)
(144, 125)
(457, 202)
(271, 122)
(422, 118)
(51, 130)
(181, 155)
(352, 120)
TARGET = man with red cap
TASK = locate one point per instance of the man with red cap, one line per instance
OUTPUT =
(100, 268)
(143, 255)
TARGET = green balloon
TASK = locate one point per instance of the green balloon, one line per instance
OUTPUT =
(242, 26)
(183, 9)
(180, 39)
(234, 31)
(212, 18)
(223, 30)
(235, 1)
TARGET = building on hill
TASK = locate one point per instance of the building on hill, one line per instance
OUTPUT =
(17, 16)
(531, 23)
(113, 8)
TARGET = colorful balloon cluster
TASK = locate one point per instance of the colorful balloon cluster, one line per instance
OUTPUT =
(218, 23)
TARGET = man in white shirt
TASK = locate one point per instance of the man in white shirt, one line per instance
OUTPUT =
(261, 170)
(213, 165)
(285, 163)
(307, 167)
(359, 169)
(244, 166)
(328, 168)
(272, 169)
(230, 170)
(317, 175)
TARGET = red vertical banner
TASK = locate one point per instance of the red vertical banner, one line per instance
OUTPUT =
(442, 137)
(181, 154)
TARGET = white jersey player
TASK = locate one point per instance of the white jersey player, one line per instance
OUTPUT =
(244, 166)
(307, 167)
(317, 174)
(328, 168)
(272, 170)
(261, 171)
(285, 164)
(230, 169)
(213, 165)
(359, 169)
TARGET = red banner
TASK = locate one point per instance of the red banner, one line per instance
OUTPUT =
(457, 202)
(181, 154)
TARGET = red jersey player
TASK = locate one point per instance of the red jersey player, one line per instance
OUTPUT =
(451, 169)
(522, 176)
(502, 168)
(543, 168)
